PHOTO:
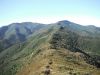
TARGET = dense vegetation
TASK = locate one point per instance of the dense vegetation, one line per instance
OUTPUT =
(67, 39)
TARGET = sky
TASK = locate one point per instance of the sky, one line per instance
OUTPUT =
(85, 12)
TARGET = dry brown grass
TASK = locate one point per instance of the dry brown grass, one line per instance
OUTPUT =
(60, 64)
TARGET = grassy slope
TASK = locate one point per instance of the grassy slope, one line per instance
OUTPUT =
(89, 36)
(13, 58)
(32, 57)
(63, 62)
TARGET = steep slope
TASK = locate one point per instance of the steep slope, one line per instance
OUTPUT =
(58, 60)
(88, 36)
(17, 32)
(62, 48)
(36, 56)
(13, 58)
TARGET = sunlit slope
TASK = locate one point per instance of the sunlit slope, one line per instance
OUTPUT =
(13, 58)
(17, 32)
(55, 58)
(62, 48)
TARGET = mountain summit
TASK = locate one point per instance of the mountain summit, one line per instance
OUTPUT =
(61, 48)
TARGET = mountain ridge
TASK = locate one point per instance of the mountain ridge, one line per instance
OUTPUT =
(54, 49)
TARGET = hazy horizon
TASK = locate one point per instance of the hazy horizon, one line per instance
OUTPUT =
(84, 12)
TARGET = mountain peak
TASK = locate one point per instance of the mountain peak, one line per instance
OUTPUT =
(63, 22)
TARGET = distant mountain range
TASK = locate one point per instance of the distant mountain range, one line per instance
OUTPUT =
(63, 47)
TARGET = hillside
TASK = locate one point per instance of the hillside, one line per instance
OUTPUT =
(62, 48)
(17, 32)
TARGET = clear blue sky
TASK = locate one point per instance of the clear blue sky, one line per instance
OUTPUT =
(48, 11)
